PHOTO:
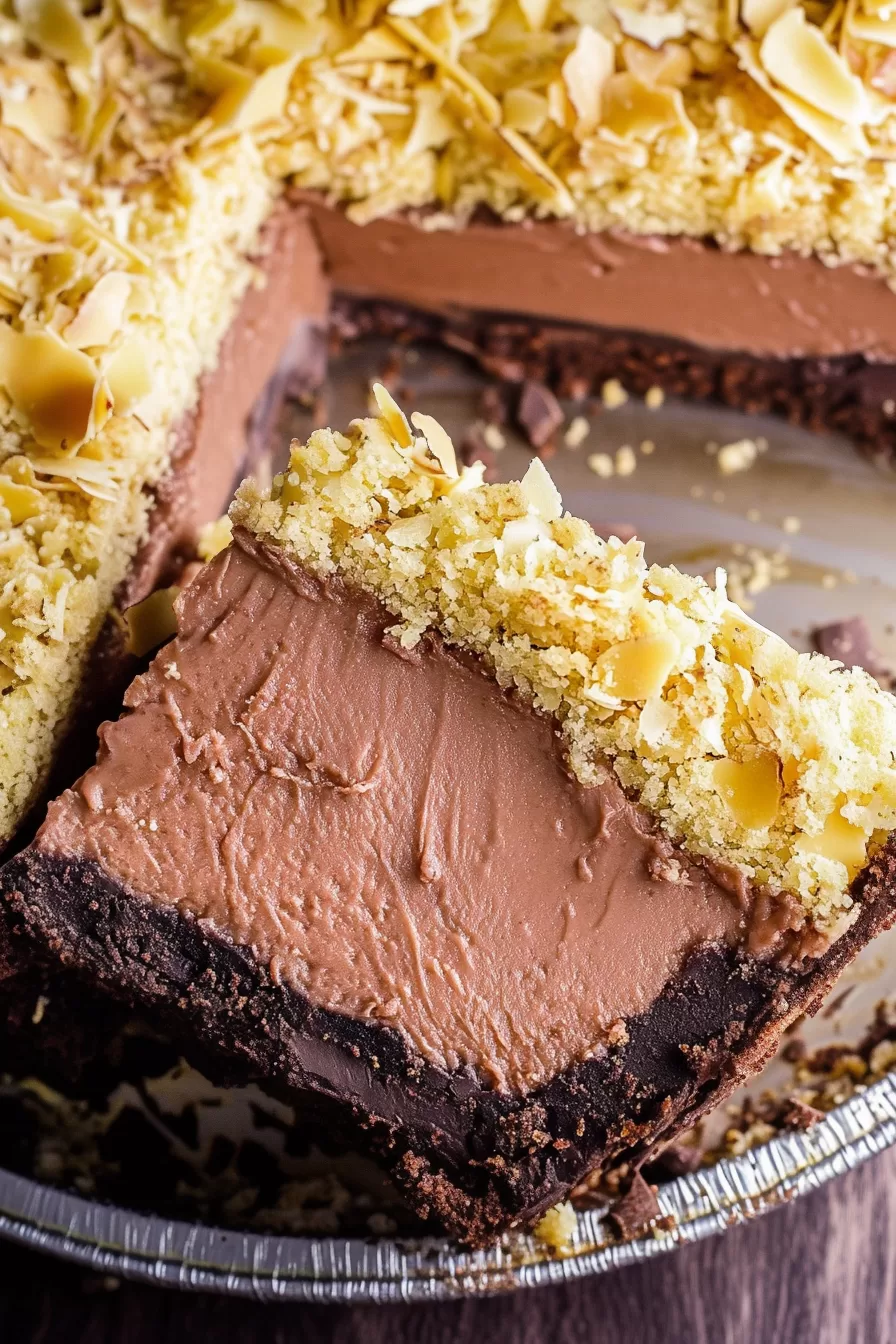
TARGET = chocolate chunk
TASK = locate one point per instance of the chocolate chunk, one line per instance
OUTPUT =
(539, 413)
(850, 642)
(678, 1159)
(473, 448)
(799, 1114)
(636, 1210)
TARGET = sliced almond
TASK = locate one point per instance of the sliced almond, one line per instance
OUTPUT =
(21, 501)
(759, 15)
(529, 160)
(868, 28)
(486, 102)
(58, 28)
(843, 142)
(410, 532)
(525, 110)
(53, 386)
(636, 111)
(128, 376)
(638, 668)
(252, 102)
(585, 72)
(438, 443)
(840, 840)
(379, 44)
(751, 789)
(101, 314)
(394, 417)
(80, 473)
(540, 492)
(672, 64)
(797, 56)
(41, 221)
(151, 622)
(535, 12)
(648, 27)
(432, 127)
(411, 9)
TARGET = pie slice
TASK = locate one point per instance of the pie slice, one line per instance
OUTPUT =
(467, 830)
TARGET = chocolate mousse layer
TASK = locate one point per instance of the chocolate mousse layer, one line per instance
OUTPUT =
(788, 335)
(366, 878)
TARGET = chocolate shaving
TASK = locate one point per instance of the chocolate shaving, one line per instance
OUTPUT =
(539, 413)
(636, 1210)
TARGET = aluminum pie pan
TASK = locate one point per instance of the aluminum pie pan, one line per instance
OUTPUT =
(275, 1268)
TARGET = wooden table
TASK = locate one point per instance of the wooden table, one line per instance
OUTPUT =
(822, 1271)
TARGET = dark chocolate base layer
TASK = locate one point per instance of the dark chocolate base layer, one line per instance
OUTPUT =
(473, 1160)
(847, 394)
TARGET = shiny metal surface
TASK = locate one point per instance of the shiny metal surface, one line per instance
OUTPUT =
(337, 1269)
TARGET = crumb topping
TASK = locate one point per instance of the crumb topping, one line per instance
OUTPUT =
(779, 763)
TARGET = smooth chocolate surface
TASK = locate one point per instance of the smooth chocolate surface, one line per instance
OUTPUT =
(388, 832)
(687, 291)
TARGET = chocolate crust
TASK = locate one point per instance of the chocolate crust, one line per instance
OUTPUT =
(846, 394)
(474, 1160)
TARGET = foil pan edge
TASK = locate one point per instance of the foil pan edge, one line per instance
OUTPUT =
(147, 1248)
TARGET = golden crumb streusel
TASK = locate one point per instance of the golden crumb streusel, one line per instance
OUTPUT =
(750, 753)
(144, 142)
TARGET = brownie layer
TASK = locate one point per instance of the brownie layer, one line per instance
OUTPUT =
(474, 1159)
(847, 394)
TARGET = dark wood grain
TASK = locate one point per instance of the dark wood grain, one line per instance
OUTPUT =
(822, 1271)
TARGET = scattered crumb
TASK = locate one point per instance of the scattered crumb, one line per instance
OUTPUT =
(753, 571)
(626, 462)
(172, 671)
(577, 432)
(493, 438)
(601, 464)
(753, 516)
(697, 492)
(647, 447)
(791, 524)
(829, 580)
(613, 394)
(655, 398)
(39, 1009)
(557, 1227)
(737, 456)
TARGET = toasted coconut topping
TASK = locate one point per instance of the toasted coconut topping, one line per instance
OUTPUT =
(751, 754)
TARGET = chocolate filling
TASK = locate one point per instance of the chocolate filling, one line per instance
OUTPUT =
(391, 835)
(687, 291)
